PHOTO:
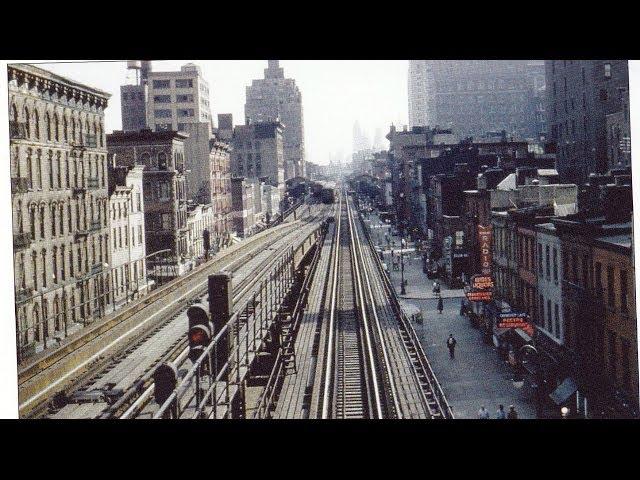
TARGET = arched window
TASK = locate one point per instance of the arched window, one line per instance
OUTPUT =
(42, 235)
(50, 169)
(14, 113)
(63, 306)
(144, 159)
(27, 118)
(63, 259)
(21, 272)
(54, 255)
(73, 130)
(66, 172)
(45, 319)
(56, 125)
(53, 219)
(39, 168)
(65, 129)
(19, 217)
(36, 124)
(47, 123)
(32, 221)
(34, 269)
(43, 254)
(36, 322)
(59, 162)
(162, 161)
(57, 320)
(29, 169)
(69, 217)
(61, 219)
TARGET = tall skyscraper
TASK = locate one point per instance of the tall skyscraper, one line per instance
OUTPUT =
(360, 140)
(276, 98)
(179, 101)
(474, 97)
(580, 94)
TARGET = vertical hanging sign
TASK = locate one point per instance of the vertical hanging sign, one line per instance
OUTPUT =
(484, 236)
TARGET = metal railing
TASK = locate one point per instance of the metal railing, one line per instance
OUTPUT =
(208, 389)
(266, 401)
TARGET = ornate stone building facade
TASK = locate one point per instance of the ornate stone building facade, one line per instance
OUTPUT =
(220, 169)
(165, 202)
(60, 205)
(126, 222)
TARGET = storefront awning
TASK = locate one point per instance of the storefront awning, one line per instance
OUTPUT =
(561, 394)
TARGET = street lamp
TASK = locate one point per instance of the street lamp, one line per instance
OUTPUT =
(564, 411)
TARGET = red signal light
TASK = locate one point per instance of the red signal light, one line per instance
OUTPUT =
(197, 336)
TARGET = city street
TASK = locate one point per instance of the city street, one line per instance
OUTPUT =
(476, 376)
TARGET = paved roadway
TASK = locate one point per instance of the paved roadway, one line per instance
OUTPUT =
(476, 376)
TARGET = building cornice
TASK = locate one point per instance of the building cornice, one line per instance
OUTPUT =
(45, 81)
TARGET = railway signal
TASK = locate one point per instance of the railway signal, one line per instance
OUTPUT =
(165, 379)
(200, 330)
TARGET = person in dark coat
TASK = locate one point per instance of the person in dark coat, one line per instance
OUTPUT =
(451, 345)
(512, 415)
(440, 305)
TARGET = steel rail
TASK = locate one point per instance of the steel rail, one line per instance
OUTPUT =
(365, 322)
(443, 407)
(144, 304)
(240, 294)
(241, 290)
(328, 374)
(376, 320)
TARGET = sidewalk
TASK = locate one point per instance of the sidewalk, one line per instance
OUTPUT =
(476, 376)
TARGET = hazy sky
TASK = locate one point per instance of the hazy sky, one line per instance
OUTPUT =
(334, 94)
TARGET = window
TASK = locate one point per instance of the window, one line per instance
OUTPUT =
(540, 260)
(162, 161)
(161, 127)
(185, 112)
(184, 83)
(162, 84)
(611, 294)
(623, 289)
(162, 98)
(612, 354)
(555, 265)
(607, 70)
(541, 310)
(556, 311)
(548, 269)
(162, 113)
(184, 98)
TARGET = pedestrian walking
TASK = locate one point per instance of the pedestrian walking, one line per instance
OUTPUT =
(501, 414)
(483, 413)
(512, 415)
(451, 345)
(440, 305)
(462, 308)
